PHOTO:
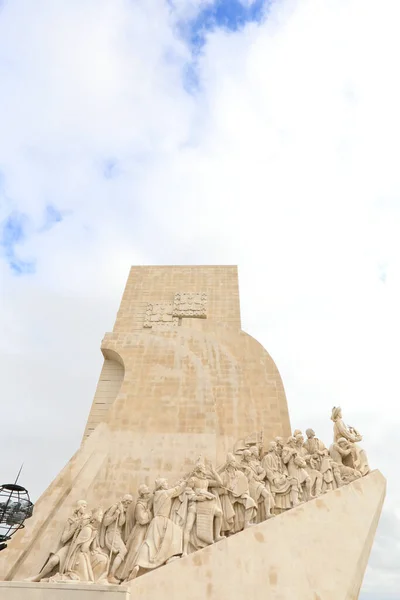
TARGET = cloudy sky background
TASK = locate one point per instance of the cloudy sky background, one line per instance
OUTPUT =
(263, 134)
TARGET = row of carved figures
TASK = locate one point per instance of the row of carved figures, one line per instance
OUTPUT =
(204, 507)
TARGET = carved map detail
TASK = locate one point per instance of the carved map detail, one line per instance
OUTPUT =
(188, 304)
(160, 316)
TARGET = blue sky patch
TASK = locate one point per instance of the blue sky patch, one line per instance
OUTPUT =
(52, 215)
(110, 168)
(13, 231)
(231, 15)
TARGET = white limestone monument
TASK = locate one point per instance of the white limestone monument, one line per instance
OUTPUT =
(189, 481)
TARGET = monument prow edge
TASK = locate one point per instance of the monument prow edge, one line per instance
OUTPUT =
(316, 551)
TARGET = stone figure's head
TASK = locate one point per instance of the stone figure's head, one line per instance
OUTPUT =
(291, 441)
(255, 452)
(299, 439)
(161, 484)
(279, 445)
(231, 460)
(97, 516)
(126, 500)
(310, 433)
(200, 467)
(247, 455)
(343, 443)
(81, 507)
(272, 446)
(143, 491)
(297, 432)
(336, 413)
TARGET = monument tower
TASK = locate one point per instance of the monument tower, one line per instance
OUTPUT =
(181, 380)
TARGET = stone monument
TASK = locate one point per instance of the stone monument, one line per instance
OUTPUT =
(189, 479)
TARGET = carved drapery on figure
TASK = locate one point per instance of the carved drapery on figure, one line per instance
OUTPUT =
(205, 506)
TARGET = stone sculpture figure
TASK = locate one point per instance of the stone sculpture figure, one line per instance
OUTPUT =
(238, 507)
(339, 452)
(320, 458)
(164, 537)
(202, 507)
(296, 466)
(139, 524)
(180, 504)
(204, 511)
(357, 458)
(312, 466)
(68, 542)
(284, 489)
(113, 534)
(87, 562)
(258, 490)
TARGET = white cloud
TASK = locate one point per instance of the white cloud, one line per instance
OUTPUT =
(285, 161)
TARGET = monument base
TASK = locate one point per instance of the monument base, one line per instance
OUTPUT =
(317, 551)
(21, 590)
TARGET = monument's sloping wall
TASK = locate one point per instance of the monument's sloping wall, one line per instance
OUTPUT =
(110, 380)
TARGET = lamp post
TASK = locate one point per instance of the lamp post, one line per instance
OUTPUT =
(15, 508)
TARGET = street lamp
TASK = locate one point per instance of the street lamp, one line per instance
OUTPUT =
(15, 508)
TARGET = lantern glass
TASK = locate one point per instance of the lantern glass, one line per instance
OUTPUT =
(15, 508)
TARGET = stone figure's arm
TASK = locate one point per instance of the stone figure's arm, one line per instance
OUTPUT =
(83, 539)
(177, 490)
(70, 527)
(121, 518)
(261, 473)
(111, 515)
(346, 433)
(342, 451)
(216, 481)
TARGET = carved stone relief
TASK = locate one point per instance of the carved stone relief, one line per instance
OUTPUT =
(160, 316)
(203, 507)
(190, 305)
(165, 315)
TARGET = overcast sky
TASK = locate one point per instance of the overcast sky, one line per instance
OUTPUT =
(197, 132)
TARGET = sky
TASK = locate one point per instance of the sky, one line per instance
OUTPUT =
(259, 133)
